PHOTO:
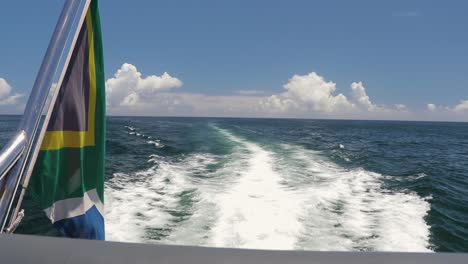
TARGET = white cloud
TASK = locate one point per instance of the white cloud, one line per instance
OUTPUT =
(462, 106)
(128, 93)
(361, 97)
(191, 104)
(431, 107)
(6, 98)
(128, 87)
(401, 107)
(309, 95)
(305, 93)
(304, 96)
(5, 88)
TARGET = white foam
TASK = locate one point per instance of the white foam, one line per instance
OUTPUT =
(350, 210)
(198, 230)
(287, 198)
(131, 206)
(141, 201)
(156, 143)
(257, 212)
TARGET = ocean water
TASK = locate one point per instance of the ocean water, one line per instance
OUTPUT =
(282, 184)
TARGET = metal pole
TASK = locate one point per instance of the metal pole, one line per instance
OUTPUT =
(37, 147)
(11, 153)
(37, 99)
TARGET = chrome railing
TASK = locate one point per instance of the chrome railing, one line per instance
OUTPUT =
(14, 157)
(11, 153)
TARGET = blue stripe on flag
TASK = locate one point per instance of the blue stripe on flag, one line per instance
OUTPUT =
(88, 226)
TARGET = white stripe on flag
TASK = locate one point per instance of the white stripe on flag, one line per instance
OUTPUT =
(72, 207)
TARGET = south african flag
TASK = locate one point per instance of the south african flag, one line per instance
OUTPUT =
(68, 177)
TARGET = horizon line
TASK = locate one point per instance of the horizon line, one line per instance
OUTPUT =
(282, 118)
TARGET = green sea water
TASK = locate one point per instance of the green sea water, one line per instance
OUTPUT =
(282, 184)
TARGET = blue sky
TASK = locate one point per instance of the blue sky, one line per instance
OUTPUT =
(405, 53)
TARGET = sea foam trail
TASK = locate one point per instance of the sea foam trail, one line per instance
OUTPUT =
(139, 205)
(350, 209)
(264, 196)
(331, 208)
(257, 212)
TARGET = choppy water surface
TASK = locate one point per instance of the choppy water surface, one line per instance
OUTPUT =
(283, 184)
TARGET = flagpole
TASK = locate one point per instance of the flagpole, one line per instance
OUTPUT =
(37, 99)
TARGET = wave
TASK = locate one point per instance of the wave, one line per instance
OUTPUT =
(297, 199)
(257, 211)
(351, 210)
(275, 196)
(130, 128)
(157, 142)
(144, 206)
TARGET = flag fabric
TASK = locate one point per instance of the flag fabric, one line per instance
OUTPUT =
(68, 177)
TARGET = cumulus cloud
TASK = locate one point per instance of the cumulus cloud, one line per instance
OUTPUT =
(309, 95)
(6, 97)
(462, 106)
(128, 87)
(431, 107)
(361, 97)
(304, 96)
(401, 107)
(309, 92)
(129, 93)
(457, 112)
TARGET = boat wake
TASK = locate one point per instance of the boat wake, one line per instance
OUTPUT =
(351, 210)
(257, 211)
(275, 196)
